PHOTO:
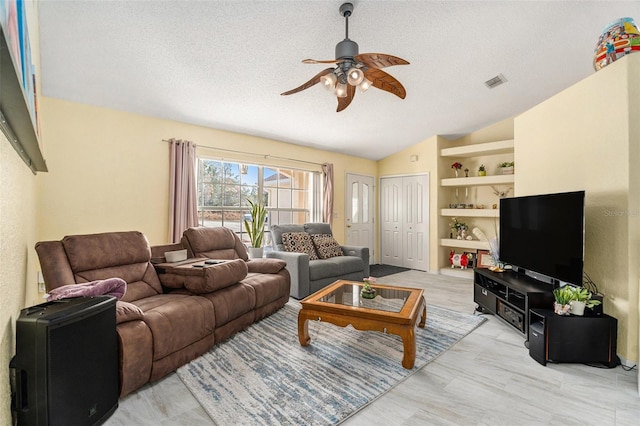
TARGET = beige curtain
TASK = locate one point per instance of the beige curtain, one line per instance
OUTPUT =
(183, 203)
(327, 196)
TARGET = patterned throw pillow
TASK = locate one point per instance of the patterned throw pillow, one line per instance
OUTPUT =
(326, 246)
(299, 242)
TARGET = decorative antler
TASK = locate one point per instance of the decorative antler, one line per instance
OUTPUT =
(501, 194)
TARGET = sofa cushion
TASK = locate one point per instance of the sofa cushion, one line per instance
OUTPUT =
(299, 242)
(176, 321)
(214, 243)
(124, 255)
(318, 228)
(326, 246)
(278, 230)
(334, 267)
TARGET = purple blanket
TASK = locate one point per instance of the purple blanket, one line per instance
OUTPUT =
(110, 287)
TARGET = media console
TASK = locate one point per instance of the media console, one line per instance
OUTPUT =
(510, 295)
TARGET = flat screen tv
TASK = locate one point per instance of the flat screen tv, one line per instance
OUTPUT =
(543, 236)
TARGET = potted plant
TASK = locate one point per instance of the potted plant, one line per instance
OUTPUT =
(481, 170)
(581, 300)
(563, 296)
(367, 291)
(572, 300)
(506, 167)
(255, 229)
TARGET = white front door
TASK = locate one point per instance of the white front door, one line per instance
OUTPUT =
(359, 210)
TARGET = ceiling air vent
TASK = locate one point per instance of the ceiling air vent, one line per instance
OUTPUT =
(495, 81)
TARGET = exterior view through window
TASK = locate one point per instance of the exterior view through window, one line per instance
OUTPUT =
(290, 195)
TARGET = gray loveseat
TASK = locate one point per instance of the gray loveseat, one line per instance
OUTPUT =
(309, 276)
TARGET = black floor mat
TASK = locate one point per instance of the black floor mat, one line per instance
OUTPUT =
(384, 270)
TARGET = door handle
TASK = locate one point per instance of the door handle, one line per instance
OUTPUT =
(348, 226)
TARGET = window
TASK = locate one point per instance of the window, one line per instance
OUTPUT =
(290, 195)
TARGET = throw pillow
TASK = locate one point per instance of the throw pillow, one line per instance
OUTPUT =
(326, 246)
(299, 242)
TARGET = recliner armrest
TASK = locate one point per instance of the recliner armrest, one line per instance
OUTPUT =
(361, 252)
(298, 267)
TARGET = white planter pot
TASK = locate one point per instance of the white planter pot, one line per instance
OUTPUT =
(507, 170)
(256, 253)
(577, 308)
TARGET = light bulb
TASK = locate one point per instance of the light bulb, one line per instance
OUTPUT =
(355, 76)
(329, 81)
(366, 83)
(341, 90)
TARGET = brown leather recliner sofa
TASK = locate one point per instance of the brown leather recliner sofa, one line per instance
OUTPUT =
(161, 327)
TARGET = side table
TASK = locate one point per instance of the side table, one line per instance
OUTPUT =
(571, 338)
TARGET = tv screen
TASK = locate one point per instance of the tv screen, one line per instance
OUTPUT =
(544, 235)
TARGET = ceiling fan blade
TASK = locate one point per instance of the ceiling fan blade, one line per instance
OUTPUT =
(317, 61)
(380, 60)
(314, 80)
(344, 102)
(386, 82)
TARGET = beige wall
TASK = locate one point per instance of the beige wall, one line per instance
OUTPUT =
(108, 170)
(17, 281)
(18, 287)
(586, 137)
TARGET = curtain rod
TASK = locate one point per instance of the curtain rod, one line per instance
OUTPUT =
(252, 153)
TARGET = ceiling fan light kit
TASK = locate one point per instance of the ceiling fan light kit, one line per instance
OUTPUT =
(353, 69)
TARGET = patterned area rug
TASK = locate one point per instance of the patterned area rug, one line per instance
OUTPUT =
(262, 376)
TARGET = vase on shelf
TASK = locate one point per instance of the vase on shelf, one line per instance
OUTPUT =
(619, 38)
(457, 172)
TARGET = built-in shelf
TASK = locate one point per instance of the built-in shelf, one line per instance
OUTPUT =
(466, 244)
(470, 212)
(477, 150)
(479, 180)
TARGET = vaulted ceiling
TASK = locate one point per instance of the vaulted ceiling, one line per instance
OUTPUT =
(223, 64)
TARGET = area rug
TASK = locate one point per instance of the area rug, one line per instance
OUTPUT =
(262, 376)
(384, 270)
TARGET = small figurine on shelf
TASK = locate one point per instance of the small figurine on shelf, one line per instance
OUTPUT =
(458, 228)
(459, 260)
(466, 172)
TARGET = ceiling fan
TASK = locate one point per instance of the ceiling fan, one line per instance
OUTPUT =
(354, 70)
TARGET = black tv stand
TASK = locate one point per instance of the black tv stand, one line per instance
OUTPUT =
(509, 295)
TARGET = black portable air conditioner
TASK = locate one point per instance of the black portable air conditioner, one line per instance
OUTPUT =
(65, 371)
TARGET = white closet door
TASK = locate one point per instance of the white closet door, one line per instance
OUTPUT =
(415, 225)
(391, 221)
(404, 221)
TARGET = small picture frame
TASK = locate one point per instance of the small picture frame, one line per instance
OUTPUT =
(484, 259)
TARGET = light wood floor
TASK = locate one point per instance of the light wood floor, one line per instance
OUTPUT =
(488, 378)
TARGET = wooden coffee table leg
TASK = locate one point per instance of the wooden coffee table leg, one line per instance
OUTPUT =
(423, 320)
(409, 344)
(303, 329)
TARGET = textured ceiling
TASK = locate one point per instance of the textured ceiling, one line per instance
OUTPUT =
(223, 64)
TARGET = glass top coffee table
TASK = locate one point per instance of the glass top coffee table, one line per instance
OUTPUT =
(394, 310)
